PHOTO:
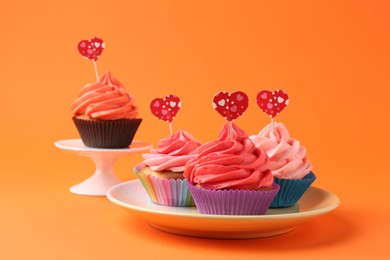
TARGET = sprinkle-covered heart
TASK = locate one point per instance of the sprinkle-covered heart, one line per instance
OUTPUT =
(230, 105)
(272, 102)
(165, 108)
(91, 49)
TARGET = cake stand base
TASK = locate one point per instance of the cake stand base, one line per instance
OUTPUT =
(104, 159)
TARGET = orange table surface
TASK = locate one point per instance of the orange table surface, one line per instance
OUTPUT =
(332, 57)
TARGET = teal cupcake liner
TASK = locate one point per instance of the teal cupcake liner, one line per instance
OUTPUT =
(291, 190)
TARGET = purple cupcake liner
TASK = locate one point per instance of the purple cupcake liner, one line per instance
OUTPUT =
(291, 190)
(233, 202)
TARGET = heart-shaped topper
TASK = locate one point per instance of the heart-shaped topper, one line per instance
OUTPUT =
(272, 102)
(165, 108)
(230, 105)
(91, 49)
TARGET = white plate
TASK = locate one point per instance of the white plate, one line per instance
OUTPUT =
(187, 221)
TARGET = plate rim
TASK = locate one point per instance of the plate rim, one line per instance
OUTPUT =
(310, 213)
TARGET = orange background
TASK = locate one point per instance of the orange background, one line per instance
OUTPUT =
(332, 57)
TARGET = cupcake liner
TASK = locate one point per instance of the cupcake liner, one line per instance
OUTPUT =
(107, 133)
(291, 190)
(233, 202)
(168, 192)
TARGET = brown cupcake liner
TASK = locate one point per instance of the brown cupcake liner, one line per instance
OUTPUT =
(107, 133)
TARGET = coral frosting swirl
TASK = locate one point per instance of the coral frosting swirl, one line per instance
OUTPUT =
(230, 163)
(287, 157)
(106, 99)
(172, 152)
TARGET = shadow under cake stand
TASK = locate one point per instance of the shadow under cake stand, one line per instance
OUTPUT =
(104, 177)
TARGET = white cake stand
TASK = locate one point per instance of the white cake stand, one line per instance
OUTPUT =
(104, 159)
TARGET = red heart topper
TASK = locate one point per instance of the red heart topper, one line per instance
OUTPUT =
(91, 49)
(230, 105)
(272, 103)
(165, 108)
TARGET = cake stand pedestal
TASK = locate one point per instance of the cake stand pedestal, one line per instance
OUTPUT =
(104, 177)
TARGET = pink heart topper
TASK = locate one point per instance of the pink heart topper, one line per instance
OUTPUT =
(165, 108)
(272, 103)
(91, 49)
(230, 105)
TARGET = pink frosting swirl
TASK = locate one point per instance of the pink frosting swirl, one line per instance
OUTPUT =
(106, 99)
(287, 157)
(172, 152)
(230, 163)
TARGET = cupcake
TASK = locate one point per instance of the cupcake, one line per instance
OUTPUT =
(288, 163)
(230, 176)
(105, 115)
(161, 172)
